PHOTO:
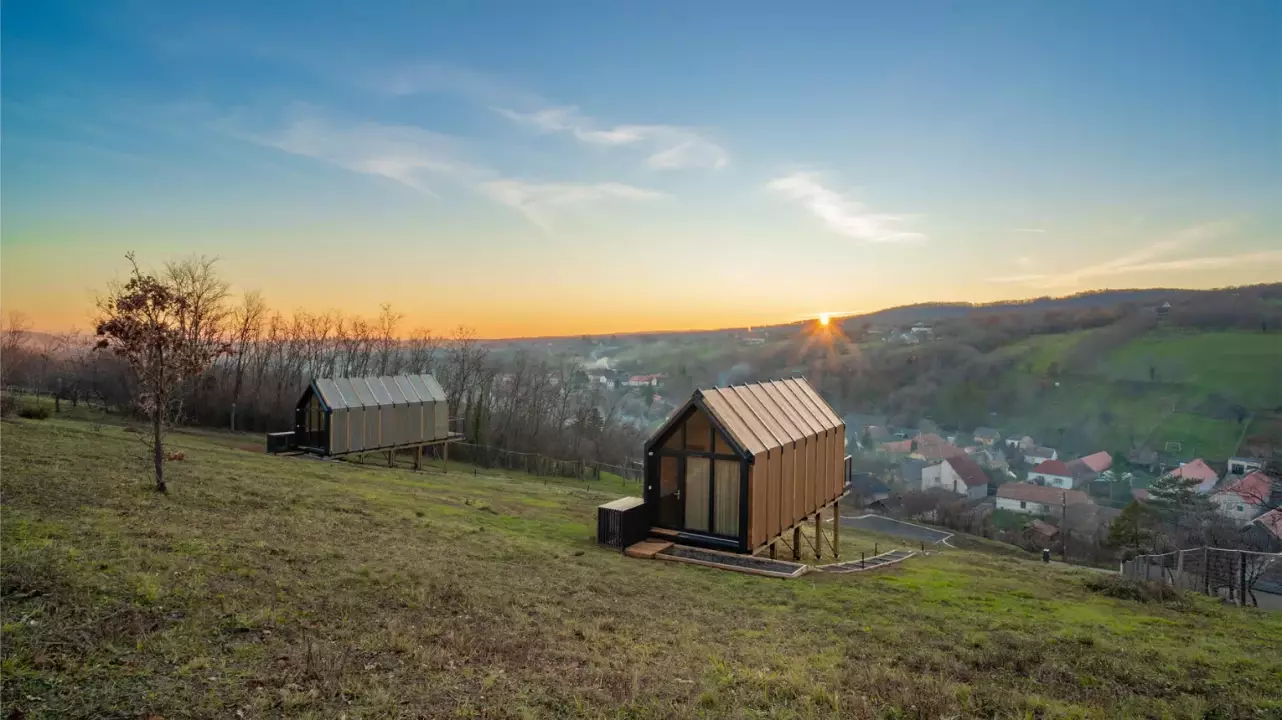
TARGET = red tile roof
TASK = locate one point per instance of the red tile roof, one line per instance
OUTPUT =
(969, 471)
(1255, 488)
(1272, 521)
(1041, 494)
(1195, 470)
(898, 446)
(1053, 467)
(939, 452)
(1099, 462)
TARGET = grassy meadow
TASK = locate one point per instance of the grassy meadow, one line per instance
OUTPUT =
(266, 586)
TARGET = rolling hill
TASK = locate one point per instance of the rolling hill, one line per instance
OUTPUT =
(268, 586)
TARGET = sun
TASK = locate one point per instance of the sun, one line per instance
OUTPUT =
(823, 319)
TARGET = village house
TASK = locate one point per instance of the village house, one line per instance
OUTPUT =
(1022, 443)
(865, 489)
(1197, 471)
(1270, 522)
(897, 447)
(931, 448)
(1040, 454)
(990, 457)
(1244, 465)
(652, 380)
(1098, 462)
(910, 473)
(1052, 473)
(1037, 499)
(959, 475)
(1246, 498)
(987, 435)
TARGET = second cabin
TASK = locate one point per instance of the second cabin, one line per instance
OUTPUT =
(737, 468)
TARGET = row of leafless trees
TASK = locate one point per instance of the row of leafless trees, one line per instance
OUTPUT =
(522, 403)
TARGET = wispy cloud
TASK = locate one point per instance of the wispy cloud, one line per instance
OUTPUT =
(421, 159)
(671, 147)
(411, 156)
(842, 214)
(1029, 231)
(1149, 258)
(538, 201)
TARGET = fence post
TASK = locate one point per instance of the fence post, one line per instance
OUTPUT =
(1179, 569)
(1206, 570)
(1146, 567)
(1241, 577)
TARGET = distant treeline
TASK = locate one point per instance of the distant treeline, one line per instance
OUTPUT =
(523, 404)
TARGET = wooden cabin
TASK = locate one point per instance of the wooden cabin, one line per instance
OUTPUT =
(339, 416)
(738, 468)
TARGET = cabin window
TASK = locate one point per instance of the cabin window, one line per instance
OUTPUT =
(698, 433)
(726, 477)
(1023, 505)
(721, 445)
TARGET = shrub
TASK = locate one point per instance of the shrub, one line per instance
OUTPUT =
(34, 412)
(1144, 591)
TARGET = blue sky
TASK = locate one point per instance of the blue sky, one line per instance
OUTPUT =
(529, 168)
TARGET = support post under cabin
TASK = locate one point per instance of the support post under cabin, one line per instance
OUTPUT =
(418, 458)
(796, 543)
(836, 530)
(389, 457)
(819, 534)
(445, 453)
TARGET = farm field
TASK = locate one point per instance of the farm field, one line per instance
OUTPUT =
(1195, 380)
(265, 586)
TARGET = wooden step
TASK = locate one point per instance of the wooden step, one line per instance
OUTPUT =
(647, 548)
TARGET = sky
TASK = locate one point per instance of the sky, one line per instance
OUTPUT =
(530, 169)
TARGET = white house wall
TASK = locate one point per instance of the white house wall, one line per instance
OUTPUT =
(1055, 481)
(1023, 506)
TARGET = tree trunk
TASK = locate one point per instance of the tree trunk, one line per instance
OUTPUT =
(233, 417)
(158, 448)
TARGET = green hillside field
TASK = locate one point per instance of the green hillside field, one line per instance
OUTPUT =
(272, 586)
(1164, 387)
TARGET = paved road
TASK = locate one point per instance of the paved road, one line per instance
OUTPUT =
(898, 528)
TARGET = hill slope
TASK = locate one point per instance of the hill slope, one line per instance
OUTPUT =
(278, 586)
(1197, 389)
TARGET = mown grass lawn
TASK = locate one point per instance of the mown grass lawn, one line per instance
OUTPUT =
(264, 586)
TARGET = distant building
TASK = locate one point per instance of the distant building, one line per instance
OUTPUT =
(1041, 454)
(987, 435)
(1052, 473)
(1197, 471)
(1244, 465)
(910, 473)
(1038, 500)
(1245, 499)
(653, 380)
(1099, 462)
(1023, 443)
(959, 475)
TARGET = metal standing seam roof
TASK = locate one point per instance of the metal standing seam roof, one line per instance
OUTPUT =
(339, 393)
(763, 416)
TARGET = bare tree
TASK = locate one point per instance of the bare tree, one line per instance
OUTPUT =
(14, 335)
(247, 328)
(159, 331)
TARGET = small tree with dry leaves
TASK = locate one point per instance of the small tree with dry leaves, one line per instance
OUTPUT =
(148, 322)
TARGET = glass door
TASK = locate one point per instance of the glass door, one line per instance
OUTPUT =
(697, 495)
(670, 507)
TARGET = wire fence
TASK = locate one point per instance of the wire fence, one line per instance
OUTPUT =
(488, 456)
(1243, 576)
